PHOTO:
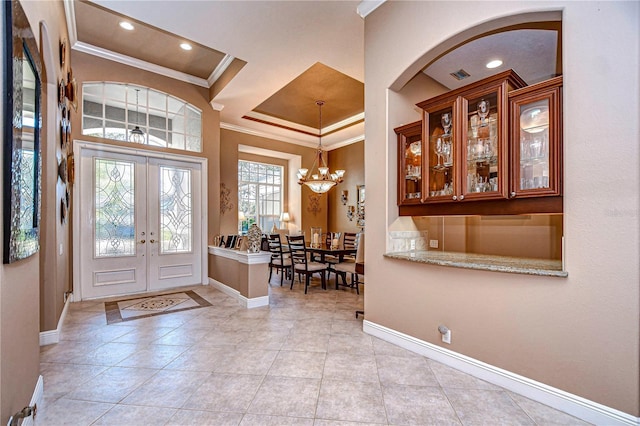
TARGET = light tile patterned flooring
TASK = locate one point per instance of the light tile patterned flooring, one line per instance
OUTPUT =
(303, 360)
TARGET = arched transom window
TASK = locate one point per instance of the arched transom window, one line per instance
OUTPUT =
(115, 110)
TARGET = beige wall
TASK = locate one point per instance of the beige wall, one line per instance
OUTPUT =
(55, 247)
(90, 68)
(20, 283)
(225, 271)
(229, 141)
(536, 236)
(250, 280)
(351, 159)
(579, 334)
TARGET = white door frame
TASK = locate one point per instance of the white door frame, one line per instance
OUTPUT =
(78, 147)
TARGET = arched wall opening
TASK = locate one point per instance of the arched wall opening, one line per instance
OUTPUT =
(471, 233)
(504, 23)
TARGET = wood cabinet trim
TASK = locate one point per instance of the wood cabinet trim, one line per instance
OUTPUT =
(512, 91)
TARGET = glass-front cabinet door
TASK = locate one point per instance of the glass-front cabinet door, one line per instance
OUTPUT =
(484, 165)
(536, 140)
(410, 160)
(440, 132)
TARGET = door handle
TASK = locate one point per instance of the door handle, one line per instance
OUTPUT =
(152, 241)
(142, 241)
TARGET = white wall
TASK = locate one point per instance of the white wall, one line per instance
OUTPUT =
(581, 333)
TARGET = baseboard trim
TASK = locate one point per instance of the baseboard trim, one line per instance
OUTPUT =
(574, 405)
(50, 337)
(255, 302)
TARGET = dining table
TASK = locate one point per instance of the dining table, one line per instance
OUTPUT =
(323, 250)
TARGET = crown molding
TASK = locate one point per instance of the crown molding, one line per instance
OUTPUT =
(343, 143)
(70, 16)
(367, 6)
(220, 69)
(137, 63)
(216, 106)
(279, 122)
(344, 123)
(248, 149)
(290, 125)
(261, 134)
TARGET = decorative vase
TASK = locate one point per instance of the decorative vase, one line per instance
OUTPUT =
(254, 235)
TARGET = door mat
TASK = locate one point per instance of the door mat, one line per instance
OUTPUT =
(149, 306)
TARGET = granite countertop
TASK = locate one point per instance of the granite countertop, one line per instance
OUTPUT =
(517, 265)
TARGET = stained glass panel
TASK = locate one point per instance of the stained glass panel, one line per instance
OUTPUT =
(176, 210)
(114, 208)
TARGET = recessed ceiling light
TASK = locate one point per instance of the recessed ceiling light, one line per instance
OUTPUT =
(126, 25)
(185, 46)
(494, 64)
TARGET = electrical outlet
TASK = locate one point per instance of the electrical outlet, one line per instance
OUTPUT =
(446, 337)
(433, 243)
(412, 245)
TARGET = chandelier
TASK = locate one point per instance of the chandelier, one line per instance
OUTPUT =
(318, 178)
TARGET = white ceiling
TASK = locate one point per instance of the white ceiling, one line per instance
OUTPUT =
(530, 52)
(279, 40)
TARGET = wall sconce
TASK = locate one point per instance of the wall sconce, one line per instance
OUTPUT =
(344, 197)
(351, 212)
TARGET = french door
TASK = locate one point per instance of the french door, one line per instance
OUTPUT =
(140, 223)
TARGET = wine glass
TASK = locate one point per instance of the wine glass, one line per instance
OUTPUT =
(414, 147)
(445, 119)
(439, 151)
(483, 111)
(446, 150)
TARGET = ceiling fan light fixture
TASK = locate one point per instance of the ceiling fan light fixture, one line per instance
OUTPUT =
(125, 25)
(322, 180)
(494, 63)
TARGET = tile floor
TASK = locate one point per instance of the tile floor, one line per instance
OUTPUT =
(303, 360)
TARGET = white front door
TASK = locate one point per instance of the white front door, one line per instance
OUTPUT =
(140, 223)
(175, 235)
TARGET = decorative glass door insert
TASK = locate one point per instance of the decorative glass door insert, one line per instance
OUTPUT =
(176, 210)
(140, 222)
(114, 208)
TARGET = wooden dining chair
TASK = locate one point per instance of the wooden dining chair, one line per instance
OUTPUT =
(301, 264)
(349, 241)
(344, 268)
(280, 260)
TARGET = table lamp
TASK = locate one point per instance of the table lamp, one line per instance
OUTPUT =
(284, 218)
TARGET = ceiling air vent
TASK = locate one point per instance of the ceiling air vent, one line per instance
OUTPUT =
(460, 74)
